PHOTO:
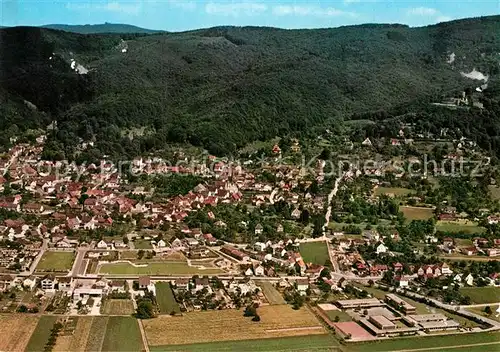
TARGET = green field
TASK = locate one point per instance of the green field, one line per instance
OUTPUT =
(165, 298)
(417, 213)
(481, 295)
(441, 341)
(317, 343)
(314, 252)
(41, 334)
(396, 191)
(462, 226)
(122, 334)
(142, 244)
(343, 316)
(272, 294)
(56, 262)
(155, 268)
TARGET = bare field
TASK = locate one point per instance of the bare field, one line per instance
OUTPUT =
(229, 325)
(16, 331)
(118, 307)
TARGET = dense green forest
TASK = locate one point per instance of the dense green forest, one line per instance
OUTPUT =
(221, 88)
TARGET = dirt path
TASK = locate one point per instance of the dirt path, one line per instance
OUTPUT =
(143, 335)
(448, 347)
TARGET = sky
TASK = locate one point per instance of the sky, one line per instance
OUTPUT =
(180, 15)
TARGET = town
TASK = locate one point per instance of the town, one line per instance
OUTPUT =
(265, 246)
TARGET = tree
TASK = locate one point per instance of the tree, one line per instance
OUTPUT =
(22, 309)
(488, 310)
(125, 239)
(145, 310)
(256, 318)
(336, 319)
(140, 254)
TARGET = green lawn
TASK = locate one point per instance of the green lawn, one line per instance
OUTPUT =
(428, 342)
(317, 343)
(343, 316)
(142, 244)
(417, 213)
(155, 268)
(41, 334)
(396, 191)
(455, 226)
(481, 295)
(56, 261)
(314, 252)
(122, 334)
(165, 298)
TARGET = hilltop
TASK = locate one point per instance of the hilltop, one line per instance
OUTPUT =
(101, 28)
(224, 87)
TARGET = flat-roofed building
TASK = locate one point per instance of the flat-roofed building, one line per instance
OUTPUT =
(359, 303)
(399, 304)
(382, 322)
(432, 322)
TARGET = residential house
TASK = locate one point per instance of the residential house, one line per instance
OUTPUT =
(48, 283)
(302, 284)
(381, 248)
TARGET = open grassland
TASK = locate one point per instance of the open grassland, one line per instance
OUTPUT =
(417, 213)
(142, 244)
(481, 295)
(272, 294)
(314, 252)
(16, 331)
(122, 334)
(392, 191)
(343, 316)
(56, 262)
(316, 343)
(165, 298)
(464, 226)
(439, 343)
(227, 325)
(118, 307)
(155, 268)
(96, 334)
(480, 311)
(77, 341)
(41, 333)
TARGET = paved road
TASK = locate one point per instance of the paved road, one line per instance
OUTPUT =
(80, 263)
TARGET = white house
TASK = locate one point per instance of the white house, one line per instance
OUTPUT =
(381, 248)
(469, 280)
(445, 269)
(102, 245)
(48, 283)
(302, 284)
(259, 270)
(403, 281)
(161, 243)
(30, 282)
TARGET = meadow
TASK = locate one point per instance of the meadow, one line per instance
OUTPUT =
(417, 213)
(165, 298)
(314, 252)
(227, 325)
(155, 268)
(56, 262)
(479, 295)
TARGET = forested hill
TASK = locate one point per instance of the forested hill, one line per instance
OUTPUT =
(224, 87)
(101, 28)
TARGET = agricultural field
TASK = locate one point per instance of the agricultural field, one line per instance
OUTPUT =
(317, 343)
(117, 307)
(56, 262)
(41, 333)
(122, 334)
(479, 295)
(465, 226)
(440, 343)
(393, 191)
(165, 298)
(227, 325)
(155, 268)
(417, 213)
(96, 333)
(272, 294)
(16, 330)
(314, 252)
(77, 341)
